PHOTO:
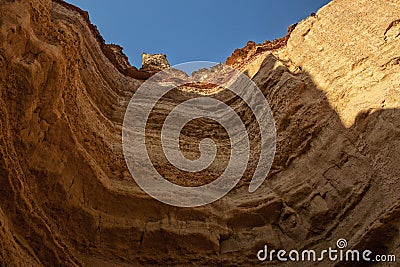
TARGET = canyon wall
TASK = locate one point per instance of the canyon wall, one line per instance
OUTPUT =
(68, 199)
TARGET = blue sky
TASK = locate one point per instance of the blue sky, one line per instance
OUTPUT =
(208, 30)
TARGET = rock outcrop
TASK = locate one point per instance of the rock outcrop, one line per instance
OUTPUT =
(68, 199)
(154, 62)
(251, 50)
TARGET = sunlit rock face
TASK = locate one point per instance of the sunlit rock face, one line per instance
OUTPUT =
(154, 62)
(68, 199)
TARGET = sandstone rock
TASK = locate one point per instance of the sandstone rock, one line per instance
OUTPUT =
(154, 62)
(122, 59)
(251, 50)
(67, 198)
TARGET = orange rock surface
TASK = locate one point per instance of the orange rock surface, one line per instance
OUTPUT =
(68, 199)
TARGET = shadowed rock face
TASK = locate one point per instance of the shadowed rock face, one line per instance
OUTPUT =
(67, 197)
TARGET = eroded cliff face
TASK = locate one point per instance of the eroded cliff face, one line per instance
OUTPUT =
(67, 197)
